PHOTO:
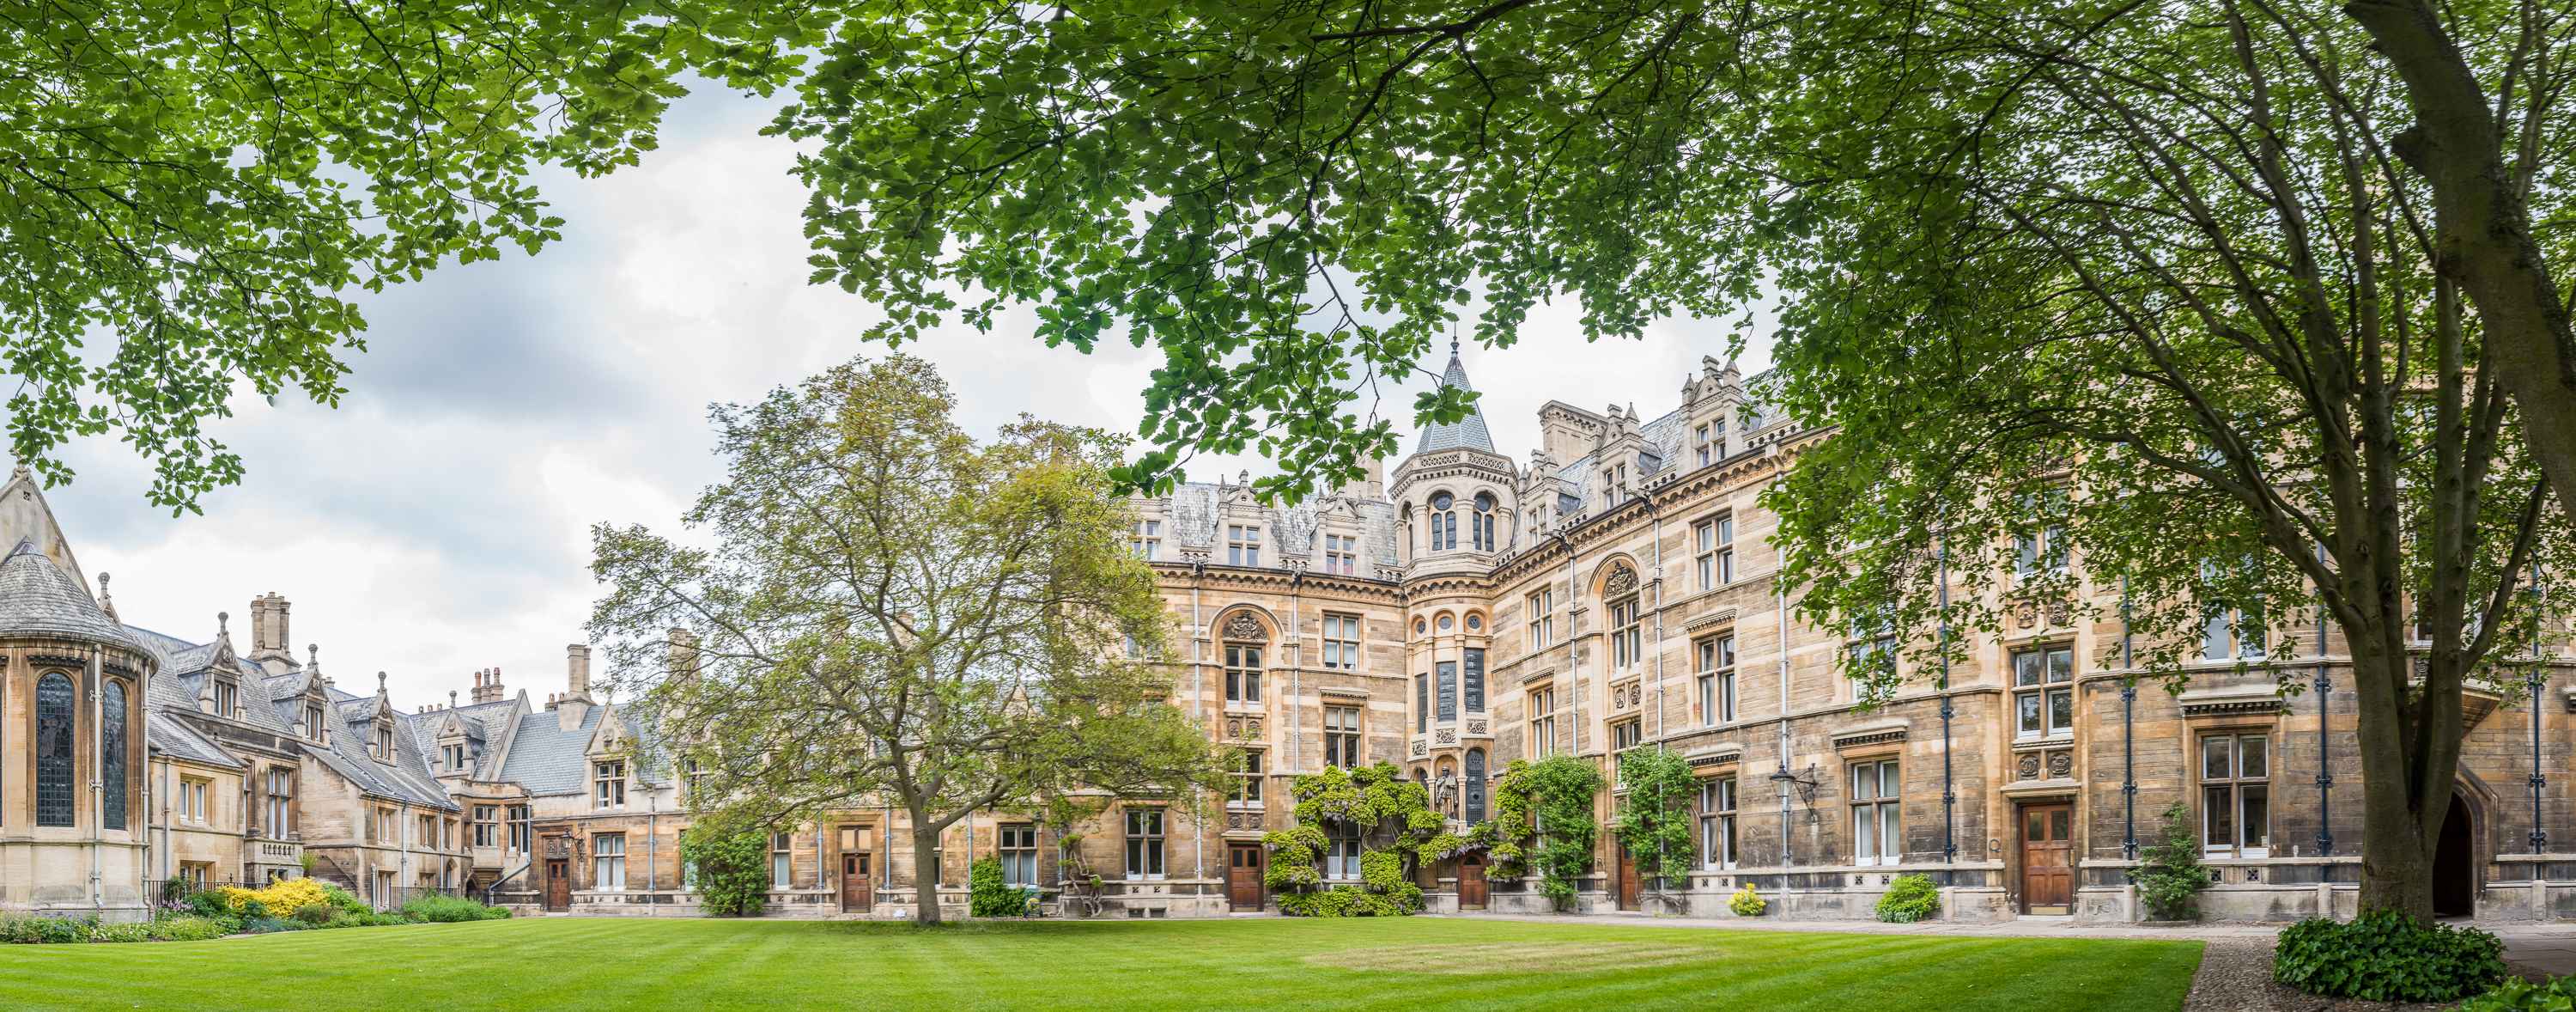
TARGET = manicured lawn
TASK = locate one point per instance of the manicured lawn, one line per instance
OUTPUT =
(545, 963)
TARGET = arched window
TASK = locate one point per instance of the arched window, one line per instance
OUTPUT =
(54, 805)
(111, 755)
(1483, 522)
(1444, 522)
(1627, 645)
(1475, 786)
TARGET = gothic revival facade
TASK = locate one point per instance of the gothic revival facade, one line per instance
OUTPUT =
(1616, 592)
(1613, 591)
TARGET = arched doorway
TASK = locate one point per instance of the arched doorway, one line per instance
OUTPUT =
(2455, 862)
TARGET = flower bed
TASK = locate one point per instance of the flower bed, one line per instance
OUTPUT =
(284, 905)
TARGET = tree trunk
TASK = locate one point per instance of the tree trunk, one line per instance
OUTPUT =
(925, 870)
(2457, 145)
(2406, 776)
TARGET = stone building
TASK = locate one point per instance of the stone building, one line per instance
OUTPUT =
(1616, 591)
(1612, 590)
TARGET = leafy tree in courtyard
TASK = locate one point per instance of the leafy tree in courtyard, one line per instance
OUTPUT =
(191, 193)
(1290, 199)
(2197, 296)
(1654, 820)
(884, 610)
(730, 862)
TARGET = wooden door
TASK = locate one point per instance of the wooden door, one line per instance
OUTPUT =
(1631, 895)
(858, 889)
(1471, 882)
(1243, 875)
(558, 884)
(2047, 874)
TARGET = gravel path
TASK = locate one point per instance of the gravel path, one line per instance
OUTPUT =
(2236, 976)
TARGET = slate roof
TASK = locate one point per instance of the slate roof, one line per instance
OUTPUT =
(546, 759)
(1663, 439)
(1466, 433)
(1196, 510)
(407, 778)
(38, 599)
(173, 737)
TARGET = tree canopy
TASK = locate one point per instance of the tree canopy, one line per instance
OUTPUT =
(891, 613)
(193, 195)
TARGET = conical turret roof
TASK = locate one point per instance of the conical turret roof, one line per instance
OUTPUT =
(38, 599)
(1466, 433)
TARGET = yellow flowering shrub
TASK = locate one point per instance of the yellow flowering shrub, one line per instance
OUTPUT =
(282, 897)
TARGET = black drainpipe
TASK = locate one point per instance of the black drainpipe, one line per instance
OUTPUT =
(2539, 680)
(1949, 793)
(2325, 759)
(2128, 732)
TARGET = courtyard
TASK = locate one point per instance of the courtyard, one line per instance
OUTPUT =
(1412, 963)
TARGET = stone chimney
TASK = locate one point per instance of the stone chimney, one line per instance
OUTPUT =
(1371, 485)
(577, 670)
(573, 706)
(683, 652)
(487, 686)
(269, 633)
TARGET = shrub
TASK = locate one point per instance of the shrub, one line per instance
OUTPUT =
(732, 866)
(2386, 955)
(344, 901)
(315, 914)
(205, 903)
(1909, 899)
(269, 925)
(1747, 903)
(286, 894)
(131, 932)
(18, 930)
(189, 928)
(2170, 878)
(450, 909)
(1346, 901)
(2519, 995)
(989, 896)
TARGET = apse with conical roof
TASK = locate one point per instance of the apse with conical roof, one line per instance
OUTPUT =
(76, 679)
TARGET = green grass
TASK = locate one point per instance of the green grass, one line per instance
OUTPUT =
(1408, 964)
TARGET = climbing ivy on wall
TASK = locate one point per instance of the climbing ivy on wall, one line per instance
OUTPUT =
(1655, 823)
(1543, 822)
(1397, 829)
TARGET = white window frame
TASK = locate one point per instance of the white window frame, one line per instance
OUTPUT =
(1146, 845)
(1718, 799)
(1341, 641)
(1542, 722)
(1016, 844)
(1878, 812)
(1342, 736)
(2228, 790)
(608, 862)
(1243, 544)
(1715, 657)
(1541, 618)
(608, 784)
(2038, 687)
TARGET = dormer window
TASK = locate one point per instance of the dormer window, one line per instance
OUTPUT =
(1699, 439)
(451, 757)
(608, 784)
(1341, 554)
(227, 697)
(1242, 545)
(314, 720)
(384, 746)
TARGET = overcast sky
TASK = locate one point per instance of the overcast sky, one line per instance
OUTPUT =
(437, 522)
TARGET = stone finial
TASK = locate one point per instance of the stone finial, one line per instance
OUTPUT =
(223, 623)
(451, 699)
(105, 603)
(380, 684)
